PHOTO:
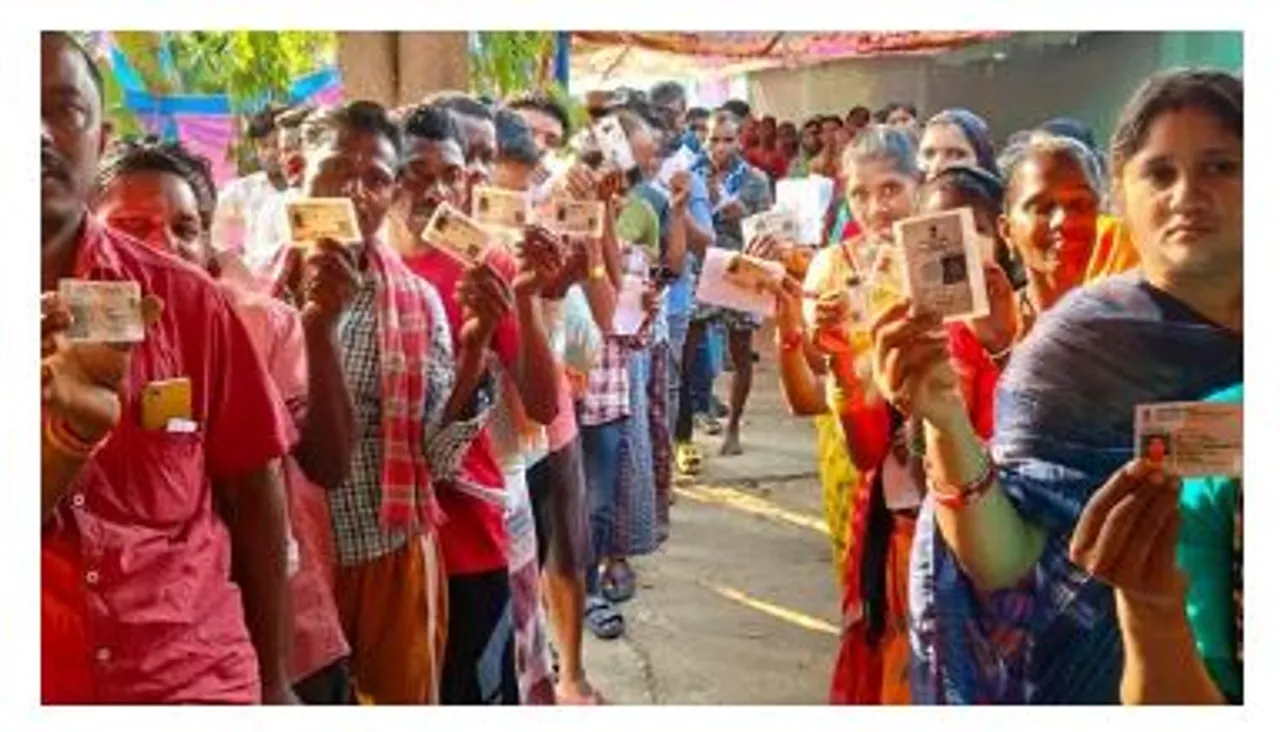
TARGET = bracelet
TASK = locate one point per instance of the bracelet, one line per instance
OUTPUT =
(788, 342)
(956, 498)
(62, 439)
(597, 272)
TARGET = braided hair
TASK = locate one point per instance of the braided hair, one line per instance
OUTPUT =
(150, 154)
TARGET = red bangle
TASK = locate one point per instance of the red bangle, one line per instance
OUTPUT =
(956, 498)
(791, 341)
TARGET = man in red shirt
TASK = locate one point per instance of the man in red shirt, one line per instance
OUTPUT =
(164, 195)
(170, 599)
(474, 537)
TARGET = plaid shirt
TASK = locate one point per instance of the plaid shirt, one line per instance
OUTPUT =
(608, 394)
(357, 531)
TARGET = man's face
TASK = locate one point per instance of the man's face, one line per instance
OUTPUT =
(293, 163)
(750, 134)
(724, 143)
(357, 165)
(701, 129)
(671, 114)
(72, 132)
(831, 134)
(160, 210)
(856, 122)
(548, 133)
(901, 117)
(788, 139)
(432, 173)
(481, 138)
(811, 139)
(267, 150)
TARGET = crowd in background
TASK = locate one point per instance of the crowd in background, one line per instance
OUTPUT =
(387, 476)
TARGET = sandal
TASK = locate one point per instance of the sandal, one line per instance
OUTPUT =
(688, 458)
(619, 582)
(603, 619)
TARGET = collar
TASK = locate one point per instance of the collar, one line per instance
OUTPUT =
(95, 250)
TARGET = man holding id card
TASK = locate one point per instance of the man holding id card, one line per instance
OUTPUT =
(149, 593)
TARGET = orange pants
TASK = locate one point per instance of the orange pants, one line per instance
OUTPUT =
(394, 610)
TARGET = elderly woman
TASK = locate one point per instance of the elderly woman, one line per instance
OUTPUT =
(1015, 618)
(956, 137)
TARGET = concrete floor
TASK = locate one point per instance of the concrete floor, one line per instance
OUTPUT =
(740, 605)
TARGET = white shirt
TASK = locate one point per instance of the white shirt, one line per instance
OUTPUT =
(249, 219)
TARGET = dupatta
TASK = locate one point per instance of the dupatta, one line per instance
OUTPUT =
(1063, 426)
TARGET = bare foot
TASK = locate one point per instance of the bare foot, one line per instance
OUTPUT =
(577, 693)
(732, 445)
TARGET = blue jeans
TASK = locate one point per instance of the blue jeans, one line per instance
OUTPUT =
(708, 362)
(678, 330)
(600, 462)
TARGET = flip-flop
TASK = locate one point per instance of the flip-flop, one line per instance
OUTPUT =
(688, 458)
(603, 619)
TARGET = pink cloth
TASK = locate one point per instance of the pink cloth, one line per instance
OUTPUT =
(564, 427)
(318, 641)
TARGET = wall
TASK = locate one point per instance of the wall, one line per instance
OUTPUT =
(1015, 83)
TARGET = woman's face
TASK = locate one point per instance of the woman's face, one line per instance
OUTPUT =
(1051, 216)
(947, 198)
(879, 196)
(160, 210)
(901, 117)
(1182, 195)
(944, 144)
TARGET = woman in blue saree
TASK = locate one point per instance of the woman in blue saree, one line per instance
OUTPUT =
(1002, 614)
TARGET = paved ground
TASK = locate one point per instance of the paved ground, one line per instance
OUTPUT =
(740, 605)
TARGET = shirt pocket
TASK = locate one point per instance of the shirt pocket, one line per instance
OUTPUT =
(166, 476)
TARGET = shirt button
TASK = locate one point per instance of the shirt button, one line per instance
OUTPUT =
(91, 577)
(77, 500)
(103, 655)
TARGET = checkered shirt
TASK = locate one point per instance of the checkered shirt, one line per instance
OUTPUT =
(354, 506)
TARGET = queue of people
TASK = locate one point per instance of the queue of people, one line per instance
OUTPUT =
(367, 472)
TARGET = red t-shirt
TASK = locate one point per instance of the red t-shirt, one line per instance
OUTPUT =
(136, 562)
(473, 537)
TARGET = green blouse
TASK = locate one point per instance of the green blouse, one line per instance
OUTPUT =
(1206, 553)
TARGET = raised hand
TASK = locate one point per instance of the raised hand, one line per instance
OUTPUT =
(911, 365)
(486, 299)
(328, 283)
(81, 382)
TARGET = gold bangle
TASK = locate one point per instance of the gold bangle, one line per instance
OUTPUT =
(597, 272)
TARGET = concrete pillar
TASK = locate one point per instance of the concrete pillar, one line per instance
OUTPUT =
(394, 68)
(430, 62)
(369, 64)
